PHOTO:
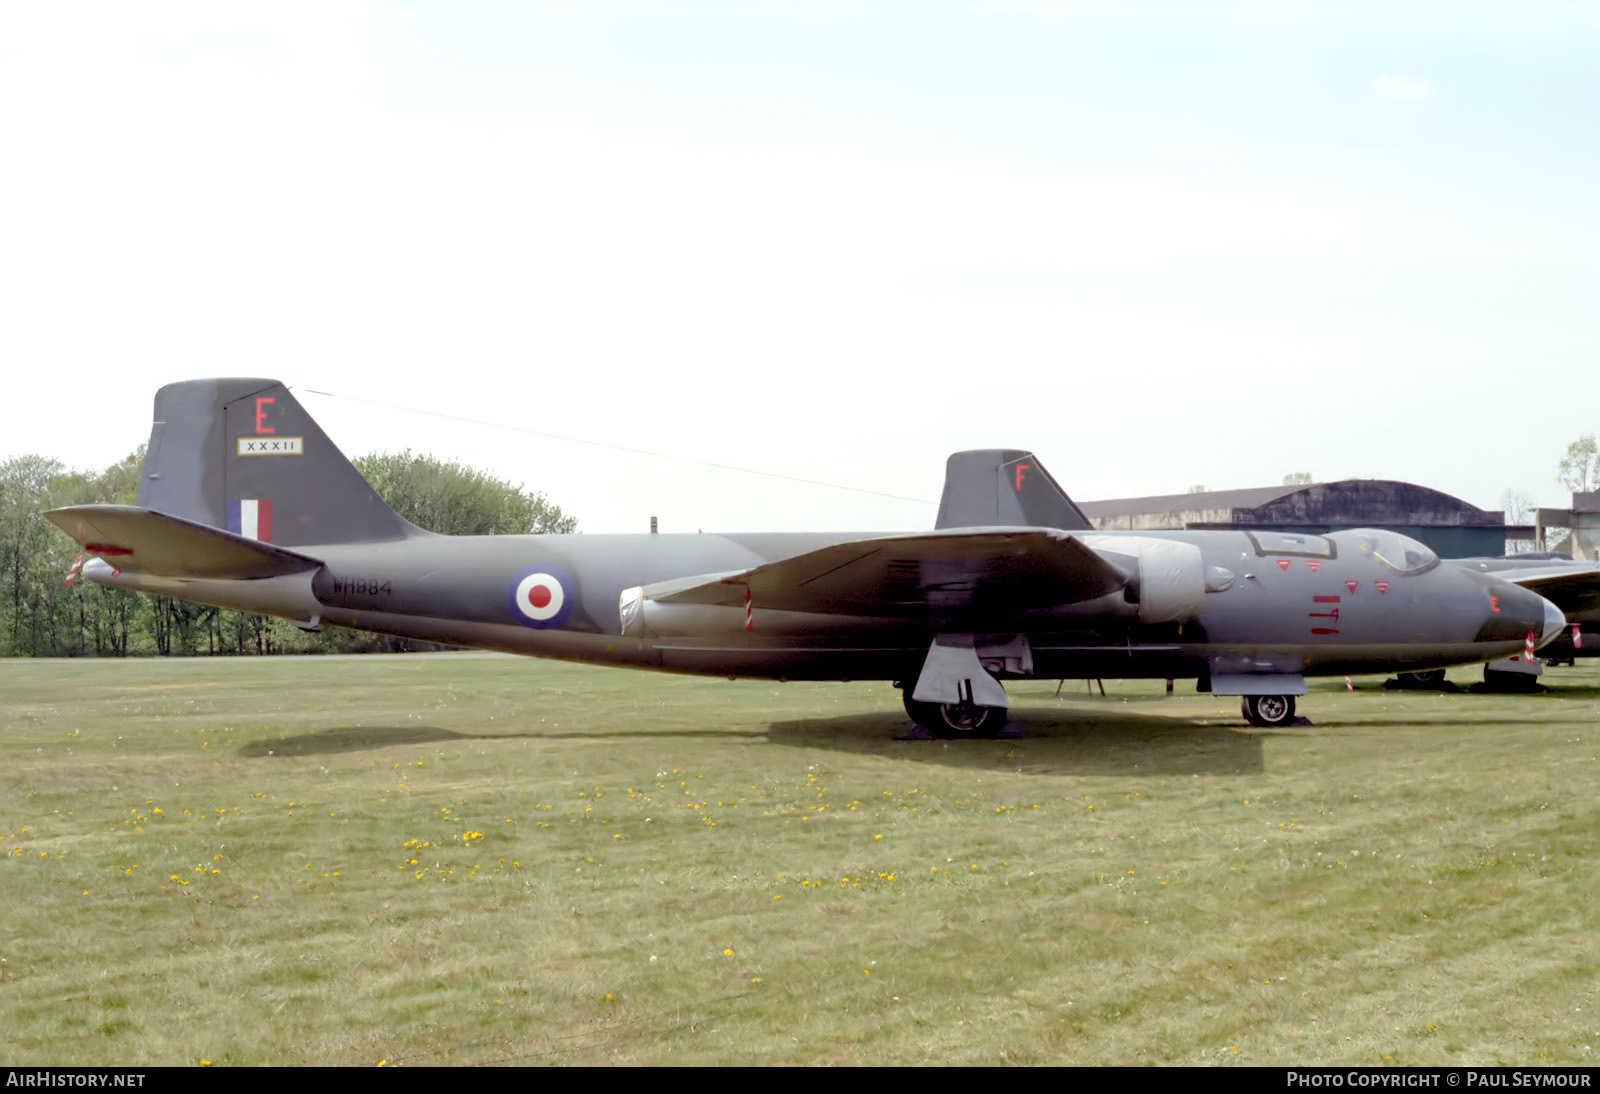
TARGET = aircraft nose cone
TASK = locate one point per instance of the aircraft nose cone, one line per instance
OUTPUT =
(1555, 621)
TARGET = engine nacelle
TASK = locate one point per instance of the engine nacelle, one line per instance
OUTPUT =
(1171, 582)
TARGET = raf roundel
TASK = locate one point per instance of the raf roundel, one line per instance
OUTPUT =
(540, 596)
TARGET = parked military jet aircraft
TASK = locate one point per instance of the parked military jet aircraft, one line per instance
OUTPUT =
(1571, 585)
(244, 503)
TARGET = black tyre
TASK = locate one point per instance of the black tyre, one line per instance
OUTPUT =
(1268, 710)
(955, 719)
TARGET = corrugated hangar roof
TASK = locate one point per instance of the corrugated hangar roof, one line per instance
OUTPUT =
(1349, 503)
(1248, 498)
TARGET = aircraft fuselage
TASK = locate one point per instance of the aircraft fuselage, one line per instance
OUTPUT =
(1311, 607)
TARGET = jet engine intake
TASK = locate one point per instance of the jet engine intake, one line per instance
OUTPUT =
(1171, 581)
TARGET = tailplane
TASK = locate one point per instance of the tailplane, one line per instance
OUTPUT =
(1004, 487)
(243, 455)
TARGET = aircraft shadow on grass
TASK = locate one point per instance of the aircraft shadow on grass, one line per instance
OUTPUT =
(360, 738)
(1049, 742)
(1066, 740)
(1557, 690)
(1063, 742)
(355, 739)
(1422, 718)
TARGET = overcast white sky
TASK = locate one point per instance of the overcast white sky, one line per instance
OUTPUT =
(1159, 244)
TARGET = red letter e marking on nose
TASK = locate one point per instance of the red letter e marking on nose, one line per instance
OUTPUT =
(261, 414)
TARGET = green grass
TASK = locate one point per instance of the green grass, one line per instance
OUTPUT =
(280, 861)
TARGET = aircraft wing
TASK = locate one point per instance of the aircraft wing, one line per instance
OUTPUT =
(982, 570)
(143, 541)
(1574, 587)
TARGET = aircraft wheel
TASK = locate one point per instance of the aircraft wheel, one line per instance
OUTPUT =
(1268, 710)
(955, 719)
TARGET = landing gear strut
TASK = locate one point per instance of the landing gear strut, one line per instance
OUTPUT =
(955, 719)
(1268, 710)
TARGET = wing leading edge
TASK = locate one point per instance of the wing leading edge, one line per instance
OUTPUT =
(983, 571)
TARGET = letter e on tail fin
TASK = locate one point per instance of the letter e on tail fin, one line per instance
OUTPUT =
(243, 455)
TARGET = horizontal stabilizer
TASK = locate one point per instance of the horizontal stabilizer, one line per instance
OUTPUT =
(142, 541)
(939, 573)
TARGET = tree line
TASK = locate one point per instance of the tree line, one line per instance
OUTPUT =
(42, 616)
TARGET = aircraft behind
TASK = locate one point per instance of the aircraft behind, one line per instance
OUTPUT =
(244, 503)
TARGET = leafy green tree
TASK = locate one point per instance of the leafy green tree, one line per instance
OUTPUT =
(1579, 470)
(1297, 478)
(58, 619)
(24, 538)
(443, 496)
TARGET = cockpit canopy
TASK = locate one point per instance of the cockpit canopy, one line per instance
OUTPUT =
(1401, 554)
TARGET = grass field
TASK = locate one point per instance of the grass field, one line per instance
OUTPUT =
(481, 860)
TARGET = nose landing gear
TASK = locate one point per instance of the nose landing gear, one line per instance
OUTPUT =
(1268, 710)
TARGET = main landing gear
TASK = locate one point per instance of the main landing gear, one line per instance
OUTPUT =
(955, 719)
(1268, 710)
(959, 695)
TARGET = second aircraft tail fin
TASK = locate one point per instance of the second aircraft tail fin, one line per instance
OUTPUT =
(1004, 487)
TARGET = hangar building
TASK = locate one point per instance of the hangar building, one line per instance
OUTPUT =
(1452, 527)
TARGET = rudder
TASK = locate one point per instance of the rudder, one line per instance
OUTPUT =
(243, 455)
(1004, 487)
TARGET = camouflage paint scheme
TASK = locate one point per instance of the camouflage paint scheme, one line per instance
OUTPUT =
(244, 503)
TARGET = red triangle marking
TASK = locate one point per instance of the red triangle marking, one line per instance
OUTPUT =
(1351, 585)
(1283, 564)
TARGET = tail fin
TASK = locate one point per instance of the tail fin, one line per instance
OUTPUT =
(243, 455)
(1004, 487)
